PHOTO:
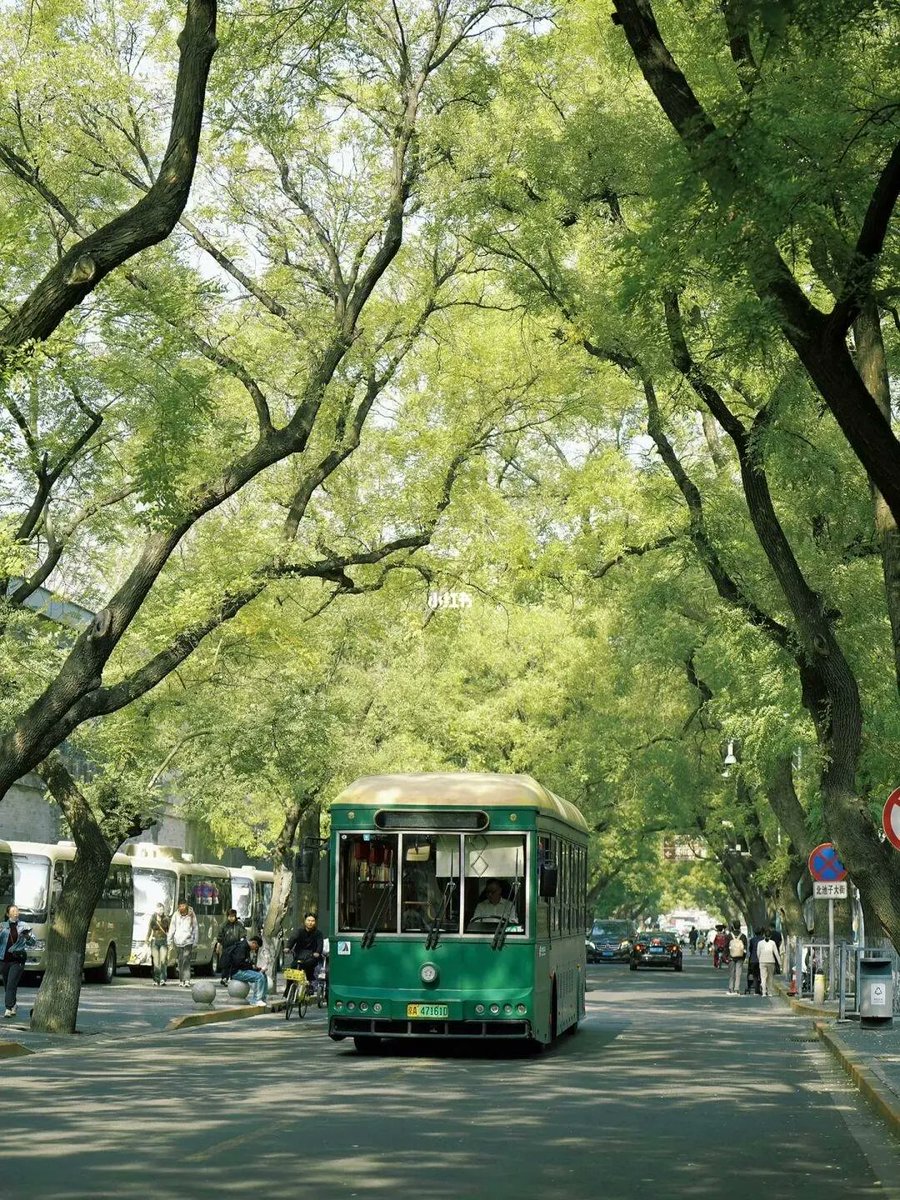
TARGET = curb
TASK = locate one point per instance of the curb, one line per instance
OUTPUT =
(13, 1050)
(806, 1008)
(868, 1083)
(215, 1017)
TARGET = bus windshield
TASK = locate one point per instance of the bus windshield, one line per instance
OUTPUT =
(153, 886)
(455, 883)
(32, 885)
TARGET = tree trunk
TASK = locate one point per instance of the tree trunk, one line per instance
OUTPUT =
(872, 365)
(56, 1006)
(283, 869)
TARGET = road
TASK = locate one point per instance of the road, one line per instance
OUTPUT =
(671, 1088)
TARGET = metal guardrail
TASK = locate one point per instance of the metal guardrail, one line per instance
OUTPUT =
(804, 960)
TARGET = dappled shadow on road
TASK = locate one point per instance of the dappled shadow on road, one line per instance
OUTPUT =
(665, 1073)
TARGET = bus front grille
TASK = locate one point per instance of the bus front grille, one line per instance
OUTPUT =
(358, 1026)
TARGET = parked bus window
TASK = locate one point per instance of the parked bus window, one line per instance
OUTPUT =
(242, 897)
(152, 887)
(32, 885)
(7, 879)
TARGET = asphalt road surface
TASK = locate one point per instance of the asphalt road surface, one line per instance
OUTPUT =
(670, 1088)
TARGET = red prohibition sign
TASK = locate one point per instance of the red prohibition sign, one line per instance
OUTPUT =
(890, 818)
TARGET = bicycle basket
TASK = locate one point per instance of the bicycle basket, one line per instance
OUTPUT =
(295, 974)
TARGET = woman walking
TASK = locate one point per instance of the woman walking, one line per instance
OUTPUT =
(14, 941)
(158, 941)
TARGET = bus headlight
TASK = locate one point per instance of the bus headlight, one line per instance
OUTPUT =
(495, 1008)
(429, 973)
(521, 1009)
(507, 1008)
(376, 1008)
(479, 1008)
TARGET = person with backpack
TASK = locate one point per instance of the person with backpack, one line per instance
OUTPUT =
(720, 947)
(737, 950)
(231, 933)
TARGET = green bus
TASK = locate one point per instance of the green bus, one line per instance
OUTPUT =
(458, 910)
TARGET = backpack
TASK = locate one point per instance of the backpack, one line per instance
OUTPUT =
(736, 948)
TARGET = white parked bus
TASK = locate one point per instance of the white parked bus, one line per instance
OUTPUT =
(166, 875)
(251, 895)
(32, 875)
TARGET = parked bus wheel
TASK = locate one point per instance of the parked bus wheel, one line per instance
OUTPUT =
(106, 973)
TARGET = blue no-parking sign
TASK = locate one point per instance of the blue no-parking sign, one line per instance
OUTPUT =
(825, 866)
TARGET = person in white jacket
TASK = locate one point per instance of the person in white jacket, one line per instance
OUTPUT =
(184, 934)
(769, 958)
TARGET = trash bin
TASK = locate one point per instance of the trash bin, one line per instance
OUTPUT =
(876, 991)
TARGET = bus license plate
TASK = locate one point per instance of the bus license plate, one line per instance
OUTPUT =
(433, 1012)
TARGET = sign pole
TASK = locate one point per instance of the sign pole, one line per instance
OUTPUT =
(830, 948)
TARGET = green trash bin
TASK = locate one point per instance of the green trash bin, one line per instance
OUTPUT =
(876, 992)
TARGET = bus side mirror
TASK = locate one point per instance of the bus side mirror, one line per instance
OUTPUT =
(306, 864)
(549, 880)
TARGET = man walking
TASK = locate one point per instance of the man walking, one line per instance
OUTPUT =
(769, 958)
(184, 935)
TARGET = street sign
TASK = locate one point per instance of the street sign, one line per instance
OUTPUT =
(830, 891)
(825, 866)
(890, 818)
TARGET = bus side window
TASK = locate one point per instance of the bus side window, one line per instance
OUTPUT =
(60, 870)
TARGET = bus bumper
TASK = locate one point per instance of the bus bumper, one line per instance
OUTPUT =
(344, 1027)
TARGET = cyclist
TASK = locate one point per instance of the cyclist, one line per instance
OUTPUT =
(308, 946)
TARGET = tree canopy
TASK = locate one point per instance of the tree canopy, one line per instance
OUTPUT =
(315, 317)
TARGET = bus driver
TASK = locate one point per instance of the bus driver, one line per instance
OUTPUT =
(493, 907)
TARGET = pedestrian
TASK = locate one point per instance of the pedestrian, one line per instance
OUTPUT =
(232, 932)
(692, 940)
(15, 938)
(769, 959)
(158, 941)
(720, 946)
(184, 935)
(737, 949)
(244, 968)
(753, 986)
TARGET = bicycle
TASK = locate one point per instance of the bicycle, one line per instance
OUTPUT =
(296, 994)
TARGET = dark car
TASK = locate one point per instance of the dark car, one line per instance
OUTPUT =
(656, 948)
(609, 941)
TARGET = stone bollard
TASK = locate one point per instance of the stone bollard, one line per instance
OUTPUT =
(819, 989)
(238, 989)
(204, 993)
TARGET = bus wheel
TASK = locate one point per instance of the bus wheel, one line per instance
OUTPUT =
(367, 1045)
(108, 970)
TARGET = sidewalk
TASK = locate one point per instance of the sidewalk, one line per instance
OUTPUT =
(127, 1009)
(870, 1056)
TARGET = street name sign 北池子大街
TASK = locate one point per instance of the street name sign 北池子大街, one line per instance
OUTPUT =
(890, 818)
(830, 891)
(825, 866)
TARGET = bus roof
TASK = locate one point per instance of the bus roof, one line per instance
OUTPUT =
(462, 790)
